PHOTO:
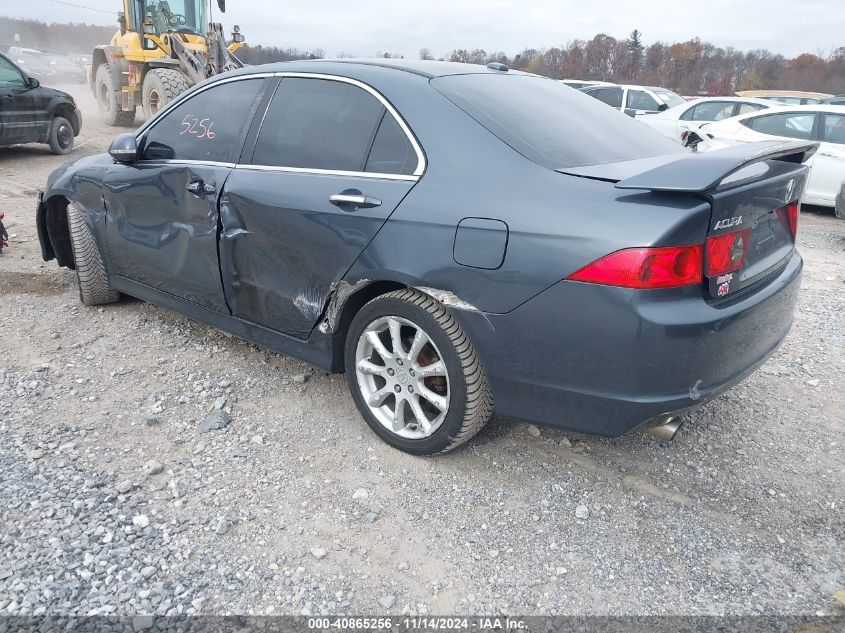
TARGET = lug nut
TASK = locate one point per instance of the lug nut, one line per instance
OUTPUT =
(390, 372)
(412, 372)
(411, 389)
(397, 389)
(399, 361)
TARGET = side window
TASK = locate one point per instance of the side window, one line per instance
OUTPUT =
(792, 125)
(745, 108)
(834, 128)
(688, 114)
(318, 124)
(713, 111)
(610, 96)
(641, 100)
(392, 152)
(9, 75)
(207, 127)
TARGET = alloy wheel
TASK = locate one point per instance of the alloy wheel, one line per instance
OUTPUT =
(402, 377)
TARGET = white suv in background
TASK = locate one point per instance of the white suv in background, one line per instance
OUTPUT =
(634, 100)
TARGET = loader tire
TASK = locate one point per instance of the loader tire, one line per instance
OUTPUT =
(94, 288)
(161, 86)
(108, 99)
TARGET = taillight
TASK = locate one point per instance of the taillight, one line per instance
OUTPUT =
(790, 215)
(665, 267)
(726, 253)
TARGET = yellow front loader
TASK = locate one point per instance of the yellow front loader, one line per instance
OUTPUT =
(163, 47)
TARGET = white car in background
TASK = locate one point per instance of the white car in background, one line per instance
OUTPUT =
(634, 100)
(822, 123)
(676, 122)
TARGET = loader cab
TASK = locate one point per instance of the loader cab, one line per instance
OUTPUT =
(156, 17)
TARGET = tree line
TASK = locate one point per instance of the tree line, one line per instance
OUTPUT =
(690, 68)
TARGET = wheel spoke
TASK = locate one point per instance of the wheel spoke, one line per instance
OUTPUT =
(396, 336)
(438, 401)
(366, 366)
(375, 341)
(377, 398)
(419, 414)
(436, 368)
(420, 339)
(399, 414)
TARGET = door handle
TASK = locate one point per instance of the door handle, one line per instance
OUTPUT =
(199, 188)
(352, 199)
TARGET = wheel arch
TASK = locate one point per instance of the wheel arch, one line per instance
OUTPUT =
(54, 231)
(344, 303)
(67, 112)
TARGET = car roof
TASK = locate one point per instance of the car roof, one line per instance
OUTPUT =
(425, 68)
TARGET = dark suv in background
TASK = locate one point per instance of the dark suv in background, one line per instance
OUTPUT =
(31, 113)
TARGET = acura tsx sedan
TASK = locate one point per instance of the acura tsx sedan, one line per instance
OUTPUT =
(460, 240)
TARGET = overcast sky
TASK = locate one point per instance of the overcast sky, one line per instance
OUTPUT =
(364, 27)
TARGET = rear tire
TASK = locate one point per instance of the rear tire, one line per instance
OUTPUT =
(91, 274)
(161, 86)
(61, 136)
(446, 357)
(108, 100)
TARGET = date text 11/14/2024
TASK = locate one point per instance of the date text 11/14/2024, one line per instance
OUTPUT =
(416, 624)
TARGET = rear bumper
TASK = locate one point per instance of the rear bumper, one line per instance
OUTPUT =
(605, 361)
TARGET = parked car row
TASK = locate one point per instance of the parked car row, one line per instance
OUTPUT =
(709, 123)
(48, 67)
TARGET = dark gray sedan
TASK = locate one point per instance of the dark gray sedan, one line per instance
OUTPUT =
(460, 240)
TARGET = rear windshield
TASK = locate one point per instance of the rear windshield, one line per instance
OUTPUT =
(669, 98)
(551, 124)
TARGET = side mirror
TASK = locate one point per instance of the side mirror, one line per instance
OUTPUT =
(32, 83)
(221, 4)
(662, 107)
(124, 148)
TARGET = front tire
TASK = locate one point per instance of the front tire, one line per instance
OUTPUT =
(161, 86)
(61, 136)
(91, 273)
(414, 375)
(108, 100)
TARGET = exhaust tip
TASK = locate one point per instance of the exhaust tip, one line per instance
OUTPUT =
(666, 428)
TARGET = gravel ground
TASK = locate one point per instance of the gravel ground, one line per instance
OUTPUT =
(115, 499)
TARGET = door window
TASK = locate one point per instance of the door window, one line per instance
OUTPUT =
(208, 127)
(712, 111)
(746, 108)
(10, 77)
(834, 128)
(392, 152)
(792, 125)
(641, 100)
(610, 96)
(324, 124)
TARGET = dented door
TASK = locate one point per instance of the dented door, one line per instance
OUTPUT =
(161, 233)
(284, 242)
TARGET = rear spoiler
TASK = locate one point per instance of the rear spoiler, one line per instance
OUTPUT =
(703, 171)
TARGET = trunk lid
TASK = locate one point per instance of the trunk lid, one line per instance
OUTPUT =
(750, 188)
(753, 208)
